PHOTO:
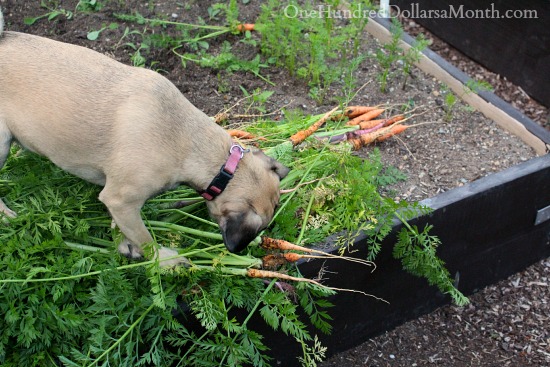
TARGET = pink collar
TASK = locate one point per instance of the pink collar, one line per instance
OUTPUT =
(219, 183)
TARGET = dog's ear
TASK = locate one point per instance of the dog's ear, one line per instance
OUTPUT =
(239, 229)
(273, 164)
(279, 169)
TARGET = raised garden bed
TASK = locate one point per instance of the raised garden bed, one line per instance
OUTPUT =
(492, 228)
(480, 223)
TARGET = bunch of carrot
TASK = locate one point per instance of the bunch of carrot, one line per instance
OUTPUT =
(280, 253)
(277, 259)
(273, 261)
(363, 126)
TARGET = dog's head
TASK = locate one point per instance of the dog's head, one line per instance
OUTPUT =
(248, 203)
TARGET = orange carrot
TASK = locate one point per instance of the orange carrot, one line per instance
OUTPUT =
(302, 135)
(363, 140)
(369, 124)
(257, 273)
(241, 134)
(292, 257)
(277, 244)
(395, 129)
(393, 120)
(354, 111)
(273, 261)
(378, 135)
(245, 27)
(366, 116)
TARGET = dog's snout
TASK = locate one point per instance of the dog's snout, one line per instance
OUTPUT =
(239, 229)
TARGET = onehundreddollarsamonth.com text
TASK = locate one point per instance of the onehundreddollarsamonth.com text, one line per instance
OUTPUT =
(414, 11)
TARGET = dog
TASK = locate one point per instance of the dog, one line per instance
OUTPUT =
(133, 132)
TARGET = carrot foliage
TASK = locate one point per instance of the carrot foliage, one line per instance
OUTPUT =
(63, 304)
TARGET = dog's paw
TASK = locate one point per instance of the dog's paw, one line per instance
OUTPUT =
(4, 210)
(129, 250)
(165, 252)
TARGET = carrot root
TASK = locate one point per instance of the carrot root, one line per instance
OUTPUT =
(277, 244)
(366, 131)
(395, 129)
(379, 135)
(302, 135)
(366, 116)
(354, 111)
(256, 273)
(243, 27)
(241, 134)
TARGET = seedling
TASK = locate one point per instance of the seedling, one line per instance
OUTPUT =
(51, 15)
(471, 86)
(413, 55)
(477, 86)
(389, 54)
(88, 5)
(93, 35)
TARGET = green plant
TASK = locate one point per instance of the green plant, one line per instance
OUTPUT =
(357, 23)
(89, 5)
(227, 61)
(413, 55)
(256, 100)
(93, 35)
(477, 86)
(53, 13)
(450, 99)
(417, 251)
(312, 48)
(67, 298)
(389, 54)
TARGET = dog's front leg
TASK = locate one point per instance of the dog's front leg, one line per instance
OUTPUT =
(5, 143)
(125, 210)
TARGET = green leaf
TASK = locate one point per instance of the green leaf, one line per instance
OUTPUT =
(93, 35)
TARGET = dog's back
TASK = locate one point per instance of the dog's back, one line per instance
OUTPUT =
(74, 105)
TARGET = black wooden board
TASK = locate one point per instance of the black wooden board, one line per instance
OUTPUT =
(517, 48)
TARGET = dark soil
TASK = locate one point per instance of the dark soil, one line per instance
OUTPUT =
(507, 324)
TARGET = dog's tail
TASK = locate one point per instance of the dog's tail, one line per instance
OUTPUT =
(1, 22)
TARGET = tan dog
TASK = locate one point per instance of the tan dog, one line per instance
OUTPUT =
(130, 130)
